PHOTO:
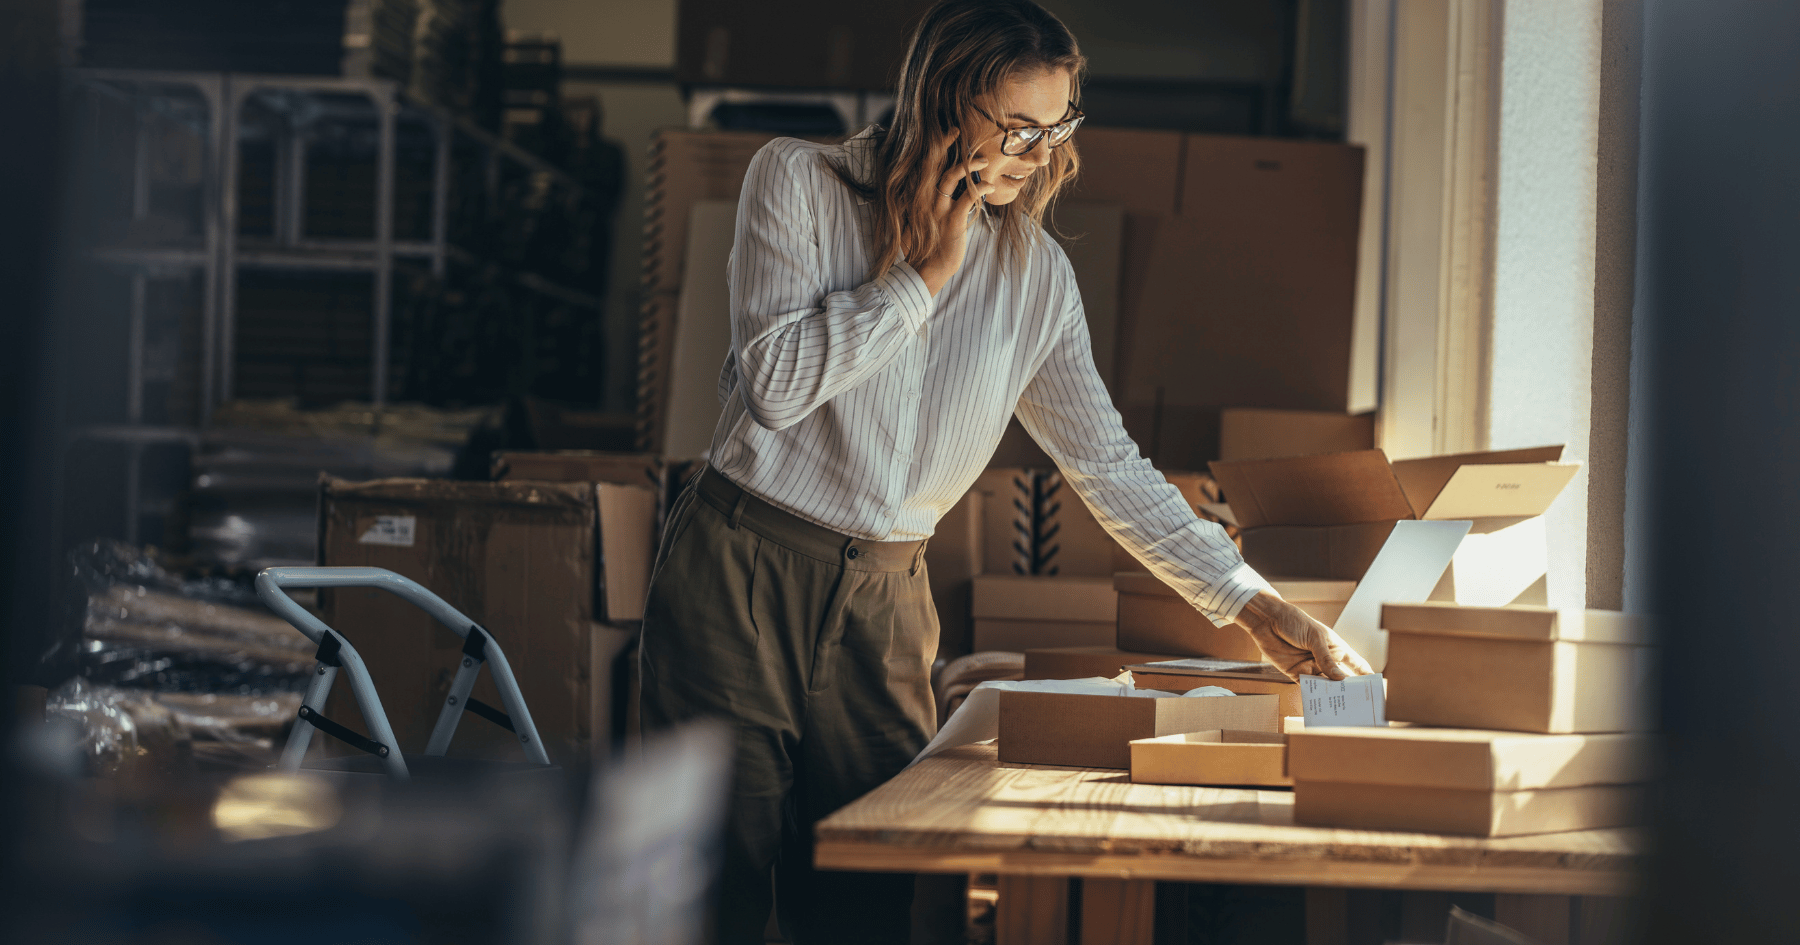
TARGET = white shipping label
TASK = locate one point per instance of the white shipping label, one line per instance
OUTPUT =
(396, 530)
(1359, 700)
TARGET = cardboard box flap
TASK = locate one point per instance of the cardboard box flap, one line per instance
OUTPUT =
(1467, 759)
(1517, 622)
(1328, 489)
(627, 547)
(571, 498)
(1424, 478)
(1513, 490)
(1042, 597)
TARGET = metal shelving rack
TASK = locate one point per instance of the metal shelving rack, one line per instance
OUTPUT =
(220, 253)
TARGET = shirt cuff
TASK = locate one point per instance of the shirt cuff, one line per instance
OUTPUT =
(911, 296)
(1222, 603)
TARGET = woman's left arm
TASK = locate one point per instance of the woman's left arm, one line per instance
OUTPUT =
(1067, 409)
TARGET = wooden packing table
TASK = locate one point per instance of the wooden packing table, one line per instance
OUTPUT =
(963, 812)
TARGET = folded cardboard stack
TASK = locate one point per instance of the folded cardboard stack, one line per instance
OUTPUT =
(1543, 715)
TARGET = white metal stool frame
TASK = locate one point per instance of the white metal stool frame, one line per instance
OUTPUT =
(335, 652)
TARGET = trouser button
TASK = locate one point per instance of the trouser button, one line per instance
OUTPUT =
(853, 553)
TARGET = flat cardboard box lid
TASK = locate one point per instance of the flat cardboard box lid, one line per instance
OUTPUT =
(1362, 486)
(1041, 597)
(1145, 584)
(1467, 759)
(1517, 622)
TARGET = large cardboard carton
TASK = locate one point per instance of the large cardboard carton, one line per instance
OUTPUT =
(1503, 560)
(1083, 662)
(1480, 783)
(1331, 552)
(638, 469)
(1154, 618)
(1183, 674)
(1256, 433)
(1083, 731)
(1247, 294)
(1217, 757)
(532, 562)
(1021, 612)
(1528, 669)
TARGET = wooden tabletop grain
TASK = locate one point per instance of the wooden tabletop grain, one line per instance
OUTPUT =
(962, 811)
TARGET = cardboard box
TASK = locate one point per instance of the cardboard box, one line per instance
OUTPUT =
(1479, 783)
(1255, 433)
(952, 560)
(1529, 669)
(1083, 662)
(1154, 618)
(702, 330)
(1503, 560)
(639, 469)
(1218, 757)
(811, 44)
(1021, 612)
(1177, 678)
(1331, 552)
(1247, 293)
(532, 562)
(1083, 731)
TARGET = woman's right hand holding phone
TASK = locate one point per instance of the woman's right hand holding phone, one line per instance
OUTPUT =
(958, 194)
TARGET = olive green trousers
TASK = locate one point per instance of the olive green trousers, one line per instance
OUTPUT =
(817, 648)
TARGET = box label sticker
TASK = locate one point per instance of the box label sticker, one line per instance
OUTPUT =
(1359, 700)
(396, 530)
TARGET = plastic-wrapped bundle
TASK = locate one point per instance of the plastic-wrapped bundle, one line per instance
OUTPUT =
(124, 731)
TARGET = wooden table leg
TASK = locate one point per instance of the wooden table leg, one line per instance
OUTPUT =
(1032, 910)
(1118, 911)
(1327, 916)
(1545, 918)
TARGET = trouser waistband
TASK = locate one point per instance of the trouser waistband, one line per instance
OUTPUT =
(744, 509)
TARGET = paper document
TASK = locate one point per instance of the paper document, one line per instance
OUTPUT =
(1359, 700)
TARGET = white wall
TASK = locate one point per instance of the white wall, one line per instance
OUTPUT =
(1543, 295)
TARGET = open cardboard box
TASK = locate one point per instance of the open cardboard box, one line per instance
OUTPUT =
(1462, 781)
(1086, 662)
(1089, 731)
(1326, 514)
(1184, 674)
(1217, 757)
(1019, 612)
(1530, 669)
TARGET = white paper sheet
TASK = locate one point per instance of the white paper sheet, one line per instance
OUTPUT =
(1404, 572)
(978, 718)
(1328, 703)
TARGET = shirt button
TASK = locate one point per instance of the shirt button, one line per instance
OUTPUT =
(853, 553)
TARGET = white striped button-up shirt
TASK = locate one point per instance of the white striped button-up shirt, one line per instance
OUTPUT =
(870, 407)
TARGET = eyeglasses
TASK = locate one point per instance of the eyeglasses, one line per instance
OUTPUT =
(1017, 141)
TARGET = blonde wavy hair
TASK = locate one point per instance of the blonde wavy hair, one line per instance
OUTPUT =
(961, 54)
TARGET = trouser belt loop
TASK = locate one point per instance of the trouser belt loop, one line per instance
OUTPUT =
(737, 508)
(919, 556)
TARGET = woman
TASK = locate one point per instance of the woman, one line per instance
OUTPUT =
(894, 301)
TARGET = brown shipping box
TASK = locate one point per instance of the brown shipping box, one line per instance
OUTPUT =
(952, 560)
(523, 559)
(1255, 433)
(1314, 498)
(1083, 731)
(1218, 757)
(1269, 682)
(1478, 783)
(1152, 617)
(812, 44)
(1020, 612)
(1528, 669)
(638, 469)
(1247, 290)
(1083, 662)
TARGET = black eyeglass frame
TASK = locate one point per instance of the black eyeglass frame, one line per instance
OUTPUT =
(1043, 133)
